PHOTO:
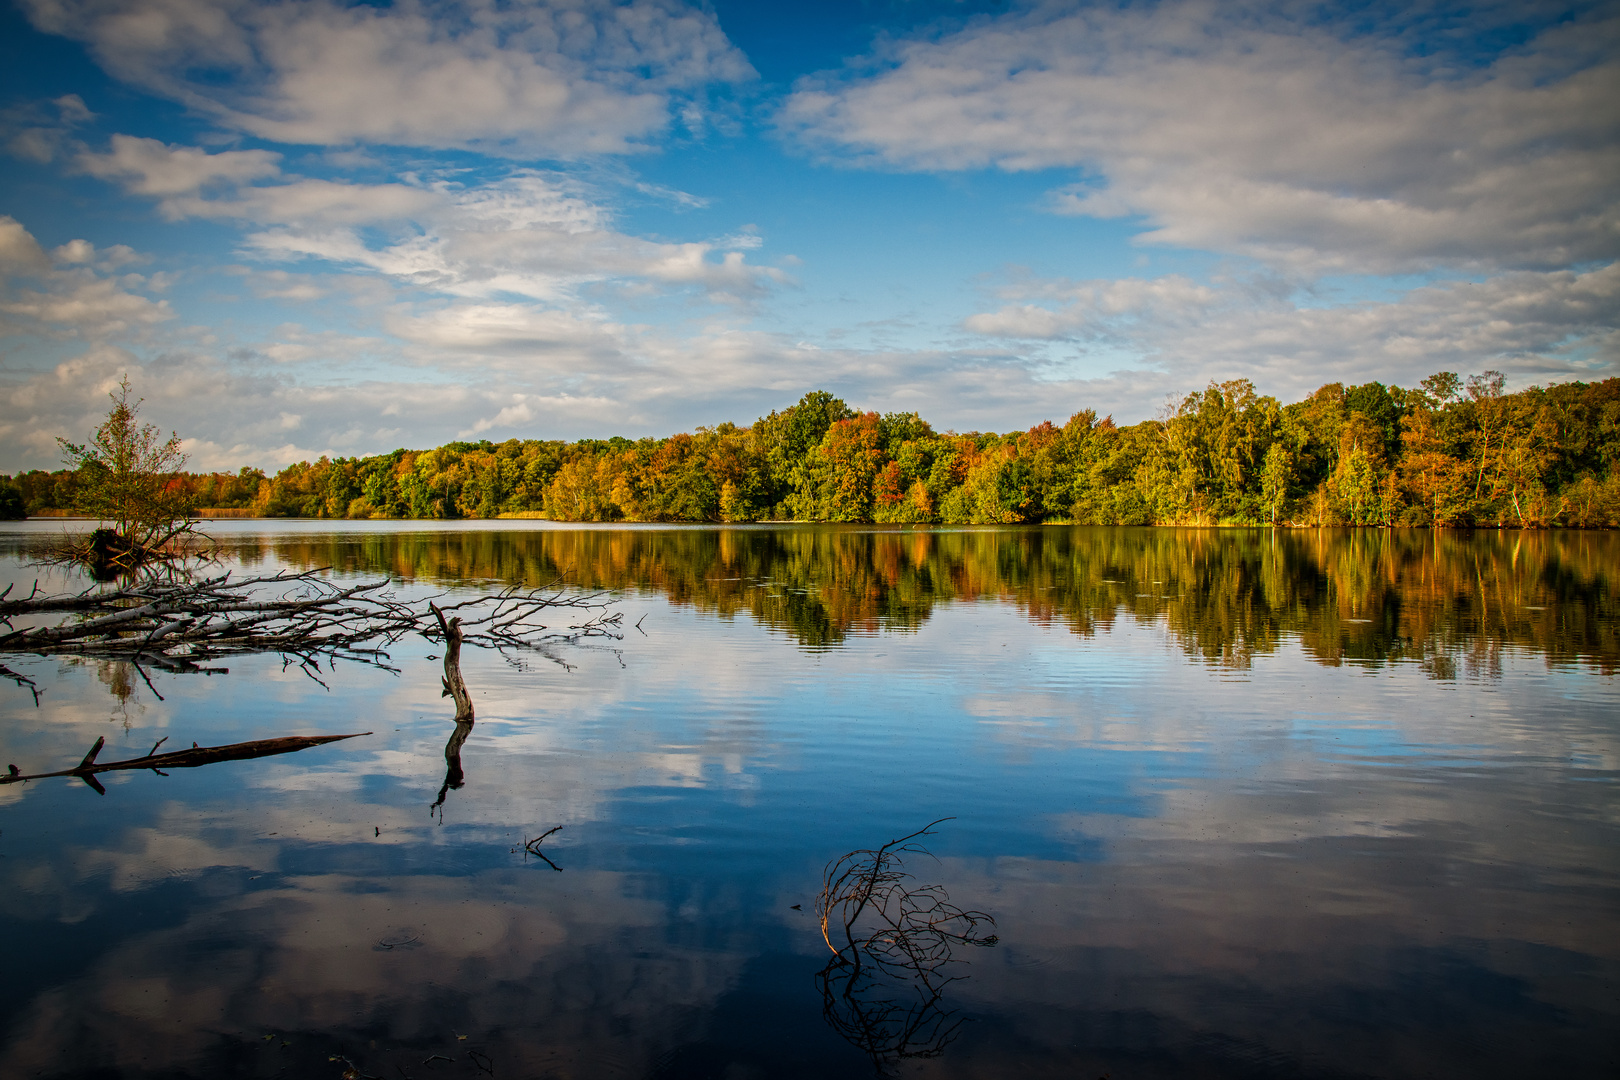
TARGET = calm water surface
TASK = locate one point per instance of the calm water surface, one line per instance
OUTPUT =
(1241, 805)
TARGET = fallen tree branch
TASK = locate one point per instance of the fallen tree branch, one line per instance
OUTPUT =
(21, 680)
(883, 989)
(303, 616)
(87, 769)
(532, 847)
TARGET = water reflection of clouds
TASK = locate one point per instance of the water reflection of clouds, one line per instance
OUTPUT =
(541, 975)
(527, 755)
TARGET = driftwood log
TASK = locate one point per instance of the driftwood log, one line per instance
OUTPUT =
(87, 769)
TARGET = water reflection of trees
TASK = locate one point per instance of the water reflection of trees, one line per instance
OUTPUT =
(1443, 598)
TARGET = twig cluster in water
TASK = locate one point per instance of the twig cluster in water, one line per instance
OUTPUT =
(892, 941)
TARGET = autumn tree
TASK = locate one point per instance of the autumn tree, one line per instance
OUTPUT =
(835, 480)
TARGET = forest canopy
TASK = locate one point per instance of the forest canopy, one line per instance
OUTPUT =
(1452, 452)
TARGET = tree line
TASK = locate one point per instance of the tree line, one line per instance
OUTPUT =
(1453, 453)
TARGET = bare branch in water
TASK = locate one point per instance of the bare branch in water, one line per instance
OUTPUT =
(21, 680)
(303, 616)
(532, 847)
(87, 769)
(892, 941)
(454, 685)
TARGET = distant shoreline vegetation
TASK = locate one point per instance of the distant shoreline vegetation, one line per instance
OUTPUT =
(1452, 453)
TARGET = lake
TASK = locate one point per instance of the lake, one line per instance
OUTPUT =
(1240, 803)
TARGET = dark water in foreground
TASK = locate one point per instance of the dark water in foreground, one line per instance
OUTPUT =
(1242, 805)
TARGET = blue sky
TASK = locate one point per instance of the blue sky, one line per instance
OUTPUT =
(313, 227)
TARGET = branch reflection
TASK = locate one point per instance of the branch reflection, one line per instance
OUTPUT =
(454, 778)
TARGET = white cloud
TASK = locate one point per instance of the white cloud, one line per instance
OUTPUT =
(514, 415)
(20, 253)
(72, 110)
(490, 329)
(562, 78)
(1246, 130)
(150, 167)
(321, 352)
(1540, 325)
(33, 133)
(83, 253)
(281, 285)
(82, 306)
(76, 302)
(75, 251)
(1087, 306)
(310, 202)
(529, 234)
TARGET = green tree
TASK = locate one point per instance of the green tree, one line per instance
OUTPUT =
(1276, 476)
(11, 501)
(787, 438)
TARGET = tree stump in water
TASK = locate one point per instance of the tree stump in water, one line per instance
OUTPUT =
(454, 686)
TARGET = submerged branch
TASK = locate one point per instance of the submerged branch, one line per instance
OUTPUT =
(301, 615)
(532, 847)
(179, 759)
(884, 986)
(21, 680)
